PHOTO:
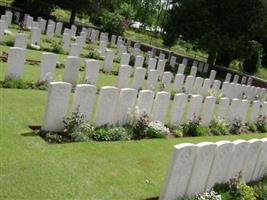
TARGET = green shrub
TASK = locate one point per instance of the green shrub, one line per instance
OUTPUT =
(253, 57)
(211, 195)
(260, 190)
(19, 84)
(156, 129)
(252, 127)
(112, 23)
(262, 124)
(178, 132)
(53, 138)
(101, 134)
(106, 133)
(74, 121)
(238, 190)
(139, 126)
(94, 55)
(218, 127)
(82, 133)
(236, 126)
(118, 133)
(194, 128)
(56, 48)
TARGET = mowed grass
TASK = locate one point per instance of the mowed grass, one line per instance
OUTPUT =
(32, 169)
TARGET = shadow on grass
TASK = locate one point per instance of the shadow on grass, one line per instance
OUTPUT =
(29, 134)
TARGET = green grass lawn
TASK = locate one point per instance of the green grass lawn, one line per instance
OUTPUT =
(33, 169)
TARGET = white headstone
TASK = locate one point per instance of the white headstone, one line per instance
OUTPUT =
(91, 71)
(152, 79)
(223, 108)
(66, 42)
(189, 83)
(139, 61)
(207, 111)
(15, 63)
(139, 78)
(173, 61)
(47, 67)
(193, 71)
(206, 87)
(106, 106)
(251, 159)
(228, 77)
(35, 35)
(75, 49)
(204, 158)
(238, 156)
(181, 69)
(127, 100)
(198, 85)
(178, 106)
(236, 78)
(212, 75)
(56, 106)
(161, 67)
(160, 106)
(21, 40)
(50, 31)
(179, 171)
(145, 101)
(194, 107)
(125, 59)
(108, 62)
(71, 72)
(152, 62)
(167, 79)
(254, 113)
(124, 76)
(178, 82)
(220, 164)
(83, 100)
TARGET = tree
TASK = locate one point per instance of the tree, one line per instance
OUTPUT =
(35, 7)
(221, 28)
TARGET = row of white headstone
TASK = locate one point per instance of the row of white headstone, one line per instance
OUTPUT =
(194, 169)
(189, 84)
(114, 105)
(93, 35)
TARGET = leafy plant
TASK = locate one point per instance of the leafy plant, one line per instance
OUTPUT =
(252, 127)
(178, 132)
(262, 123)
(238, 190)
(218, 127)
(17, 83)
(94, 55)
(193, 127)
(106, 133)
(118, 133)
(212, 195)
(156, 129)
(53, 138)
(112, 23)
(140, 125)
(74, 121)
(236, 126)
(56, 48)
(82, 133)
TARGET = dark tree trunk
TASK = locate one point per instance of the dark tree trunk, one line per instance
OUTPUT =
(72, 16)
(212, 58)
(223, 60)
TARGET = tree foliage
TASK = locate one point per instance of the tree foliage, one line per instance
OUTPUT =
(221, 28)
